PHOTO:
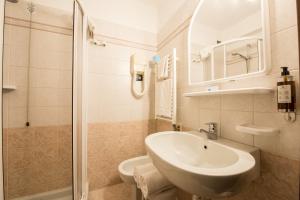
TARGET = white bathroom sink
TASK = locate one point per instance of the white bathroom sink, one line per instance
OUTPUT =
(199, 166)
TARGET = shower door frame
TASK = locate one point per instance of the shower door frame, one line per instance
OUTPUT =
(2, 10)
(84, 182)
(77, 152)
(298, 25)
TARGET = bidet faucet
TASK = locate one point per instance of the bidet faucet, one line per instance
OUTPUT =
(212, 133)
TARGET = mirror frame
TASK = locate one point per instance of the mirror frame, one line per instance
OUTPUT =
(265, 19)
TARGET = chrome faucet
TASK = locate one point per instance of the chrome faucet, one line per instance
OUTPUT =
(212, 133)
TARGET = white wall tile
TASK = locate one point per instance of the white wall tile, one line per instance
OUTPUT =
(286, 143)
(17, 117)
(285, 49)
(283, 14)
(265, 103)
(44, 78)
(237, 102)
(43, 116)
(190, 113)
(50, 73)
(229, 120)
(210, 102)
(43, 97)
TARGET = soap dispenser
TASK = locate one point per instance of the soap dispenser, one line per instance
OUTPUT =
(286, 92)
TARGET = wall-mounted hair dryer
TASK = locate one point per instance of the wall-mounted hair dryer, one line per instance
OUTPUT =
(139, 70)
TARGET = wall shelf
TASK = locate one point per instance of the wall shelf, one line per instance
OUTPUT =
(9, 88)
(257, 130)
(257, 90)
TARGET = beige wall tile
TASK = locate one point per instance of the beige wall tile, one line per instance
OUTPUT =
(37, 160)
(110, 144)
(162, 125)
(120, 191)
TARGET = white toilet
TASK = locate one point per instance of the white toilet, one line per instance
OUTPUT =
(126, 173)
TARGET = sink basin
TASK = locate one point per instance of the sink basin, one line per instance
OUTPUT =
(199, 166)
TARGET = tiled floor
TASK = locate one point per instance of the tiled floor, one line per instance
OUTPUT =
(120, 191)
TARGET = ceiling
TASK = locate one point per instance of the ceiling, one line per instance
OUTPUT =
(148, 15)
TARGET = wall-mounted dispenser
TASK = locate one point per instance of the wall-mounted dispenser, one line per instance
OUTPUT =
(139, 70)
(286, 94)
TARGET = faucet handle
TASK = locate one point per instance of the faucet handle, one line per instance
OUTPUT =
(211, 123)
(212, 126)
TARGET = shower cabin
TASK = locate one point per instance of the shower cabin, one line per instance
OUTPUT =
(43, 107)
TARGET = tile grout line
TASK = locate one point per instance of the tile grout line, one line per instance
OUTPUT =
(253, 137)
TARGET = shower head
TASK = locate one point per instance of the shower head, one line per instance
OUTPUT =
(13, 1)
(242, 56)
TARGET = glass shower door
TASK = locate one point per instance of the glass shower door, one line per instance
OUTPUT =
(37, 99)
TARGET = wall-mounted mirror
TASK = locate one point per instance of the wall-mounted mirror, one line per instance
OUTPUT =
(228, 40)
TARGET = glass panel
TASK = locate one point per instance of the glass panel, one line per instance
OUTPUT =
(242, 57)
(219, 62)
(200, 65)
(37, 99)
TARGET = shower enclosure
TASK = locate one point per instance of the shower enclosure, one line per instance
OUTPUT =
(43, 113)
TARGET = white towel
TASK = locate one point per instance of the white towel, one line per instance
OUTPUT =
(170, 194)
(141, 169)
(150, 181)
(164, 97)
(153, 182)
(205, 53)
(166, 67)
(163, 69)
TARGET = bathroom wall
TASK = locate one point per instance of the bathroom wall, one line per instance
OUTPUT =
(37, 158)
(137, 14)
(280, 154)
(118, 122)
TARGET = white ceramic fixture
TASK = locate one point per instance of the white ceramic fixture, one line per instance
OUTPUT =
(199, 166)
(126, 168)
(257, 130)
(254, 90)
